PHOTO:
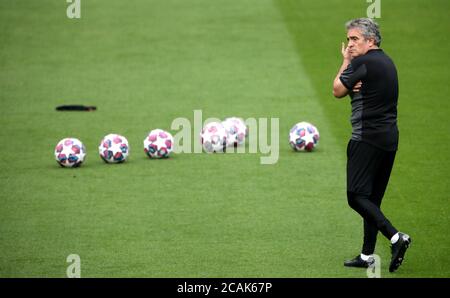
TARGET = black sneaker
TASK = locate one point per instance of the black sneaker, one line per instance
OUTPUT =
(360, 263)
(398, 250)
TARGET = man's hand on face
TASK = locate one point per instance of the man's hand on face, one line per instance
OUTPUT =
(346, 52)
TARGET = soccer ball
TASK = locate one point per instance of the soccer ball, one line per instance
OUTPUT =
(70, 152)
(214, 137)
(304, 137)
(114, 148)
(236, 129)
(158, 144)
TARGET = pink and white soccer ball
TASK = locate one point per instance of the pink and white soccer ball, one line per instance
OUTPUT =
(304, 137)
(236, 129)
(158, 144)
(70, 152)
(114, 148)
(214, 137)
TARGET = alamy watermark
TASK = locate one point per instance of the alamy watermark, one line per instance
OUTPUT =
(74, 9)
(258, 134)
(374, 270)
(374, 9)
(74, 269)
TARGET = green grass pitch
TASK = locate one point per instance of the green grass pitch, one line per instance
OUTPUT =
(143, 64)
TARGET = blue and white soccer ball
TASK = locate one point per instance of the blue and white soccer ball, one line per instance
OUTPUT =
(158, 144)
(70, 153)
(236, 129)
(114, 148)
(304, 136)
(214, 137)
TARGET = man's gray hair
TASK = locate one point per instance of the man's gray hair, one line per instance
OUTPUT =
(369, 28)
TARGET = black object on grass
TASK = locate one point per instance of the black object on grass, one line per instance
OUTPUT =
(76, 108)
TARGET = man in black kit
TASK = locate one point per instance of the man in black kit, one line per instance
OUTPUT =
(369, 76)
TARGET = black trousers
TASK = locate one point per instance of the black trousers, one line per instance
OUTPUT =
(368, 172)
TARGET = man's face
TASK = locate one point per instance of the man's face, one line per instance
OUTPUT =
(357, 44)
